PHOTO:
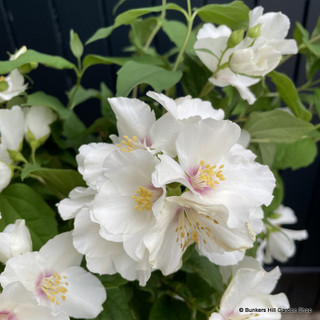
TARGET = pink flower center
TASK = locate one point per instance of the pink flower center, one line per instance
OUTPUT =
(7, 315)
(206, 177)
(52, 286)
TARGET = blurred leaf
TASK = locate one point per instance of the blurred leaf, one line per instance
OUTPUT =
(207, 270)
(177, 31)
(34, 56)
(19, 201)
(112, 281)
(134, 73)
(76, 45)
(278, 194)
(60, 181)
(169, 308)
(42, 99)
(82, 95)
(129, 16)
(295, 155)
(101, 33)
(316, 94)
(276, 126)
(116, 306)
(93, 59)
(235, 14)
(140, 32)
(289, 95)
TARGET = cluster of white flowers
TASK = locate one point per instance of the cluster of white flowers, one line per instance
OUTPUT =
(164, 185)
(242, 62)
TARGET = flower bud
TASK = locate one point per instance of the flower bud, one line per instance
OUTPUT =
(28, 67)
(15, 239)
(235, 38)
(3, 84)
(254, 32)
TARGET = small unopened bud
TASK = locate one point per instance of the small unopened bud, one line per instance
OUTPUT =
(3, 84)
(254, 32)
(26, 68)
(235, 38)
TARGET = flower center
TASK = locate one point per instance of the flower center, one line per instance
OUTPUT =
(7, 315)
(2, 79)
(129, 144)
(192, 227)
(145, 198)
(207, 177)
(54, 287)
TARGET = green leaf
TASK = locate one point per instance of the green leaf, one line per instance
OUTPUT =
(19, 201)
(34, 56)
(316, 94)
(278, 194)
(289, 95)
(42, 99)
(60, 181)
(129, 16)
(93, 59)
(101, 33)
(76, 45)
(296, 155)
(207, 270)
(140, 32)
(134, 73)
(82, 95)
(116, 306)
(177, 31)
(112, 281)
(276, 126)
(169, 308)
(235, 14)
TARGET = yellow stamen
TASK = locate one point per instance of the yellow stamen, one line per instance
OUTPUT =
(210, 175)
(54, 288)
(2, 78)
(127, 144)
(143, 199)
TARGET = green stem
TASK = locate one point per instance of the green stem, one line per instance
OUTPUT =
(206, 89)
(156, 28)
(190, 20)
(186, 299)
(79, 76)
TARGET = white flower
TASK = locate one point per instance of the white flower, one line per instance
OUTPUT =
(14, 81)
(139, 129)
(12, 128)
(15, 239)
(37, 121)
(103, 211)
(186, 107)
(18, 303)
(56, 279)
(189, 219)
(248, 297)
(279, 243)
(213, 166)
(252, 57)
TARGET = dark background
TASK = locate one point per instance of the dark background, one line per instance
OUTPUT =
(44, 25)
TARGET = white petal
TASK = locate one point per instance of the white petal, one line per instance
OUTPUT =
(285, 46)
(254, 16)
(59, 252)
(193, 144)
(15, 81)
(78, 198)
(12, 127)
(4, 155)
(274, 25)
(90, 162)
(37, 120)
(5, 175)
(85, 294)
(287, 216)
(296, 234)
(134, 117)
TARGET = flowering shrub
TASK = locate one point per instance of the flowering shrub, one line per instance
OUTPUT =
(168, 205)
